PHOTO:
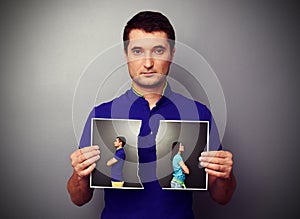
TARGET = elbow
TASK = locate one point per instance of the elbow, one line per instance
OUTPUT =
(78, 203)
(224, 201)
(187, 171)
(222, 190)
(223, 197)
(78, 197)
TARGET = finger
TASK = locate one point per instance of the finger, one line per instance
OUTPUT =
(218, 174)
(82, 154)
(91, 154)
(220, 154)
(88, 162)
(77, 158)
(218, 170)
(215, 167)
(216, 154)
(89, 148)
(217, 160)
(87, 171)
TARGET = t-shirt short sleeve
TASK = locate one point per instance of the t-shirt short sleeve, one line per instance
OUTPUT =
(120, 155)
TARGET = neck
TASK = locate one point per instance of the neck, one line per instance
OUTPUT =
(152, 95)
(152, 99)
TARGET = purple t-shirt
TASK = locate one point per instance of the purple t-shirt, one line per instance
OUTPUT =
(152, 201)
(117, 168)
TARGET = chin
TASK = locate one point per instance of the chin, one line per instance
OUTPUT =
(151, 85)
(150, 82)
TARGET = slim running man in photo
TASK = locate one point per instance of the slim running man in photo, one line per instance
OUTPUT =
(179, 167)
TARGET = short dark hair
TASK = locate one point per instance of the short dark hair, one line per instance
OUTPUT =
(149, 21)
(122, 139)
(175, 148)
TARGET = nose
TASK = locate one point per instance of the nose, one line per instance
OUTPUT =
(148, 62)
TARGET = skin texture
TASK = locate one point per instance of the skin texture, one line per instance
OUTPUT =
(221, 181)
(149, 58)
(83, 163)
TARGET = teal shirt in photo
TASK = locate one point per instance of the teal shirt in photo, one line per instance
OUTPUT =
(178, 174)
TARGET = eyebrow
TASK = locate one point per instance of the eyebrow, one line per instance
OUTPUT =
(155, 47)
(136, 47)
(159, 47)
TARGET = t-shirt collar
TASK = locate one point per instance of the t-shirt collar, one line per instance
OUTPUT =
(165, 90)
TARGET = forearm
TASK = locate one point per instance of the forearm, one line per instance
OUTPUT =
(186, 170)
(111, 162)
(79, 189)
(221, 190)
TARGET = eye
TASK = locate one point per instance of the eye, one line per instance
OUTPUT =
(136, 51)
(159, 51)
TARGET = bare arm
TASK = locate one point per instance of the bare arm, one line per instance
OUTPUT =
(184, 167)
(83, 163)
(221, 180)
(111, 161)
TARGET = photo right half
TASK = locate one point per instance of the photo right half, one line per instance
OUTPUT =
(179, 146)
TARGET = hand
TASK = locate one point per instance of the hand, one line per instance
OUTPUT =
(84, 160)
(217, 163)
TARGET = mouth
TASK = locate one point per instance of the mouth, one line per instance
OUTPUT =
(148, 74)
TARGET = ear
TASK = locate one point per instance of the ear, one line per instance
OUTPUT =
(172, 54)
(126, 55)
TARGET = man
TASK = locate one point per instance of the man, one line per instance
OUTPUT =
(179, 167)
(149, 49)
(117, 163)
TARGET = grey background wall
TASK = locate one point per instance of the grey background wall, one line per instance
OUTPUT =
(45, 45)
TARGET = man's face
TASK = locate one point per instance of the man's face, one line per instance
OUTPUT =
(148, 58)
(117, 143)
(181, 148)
